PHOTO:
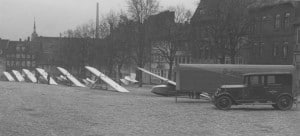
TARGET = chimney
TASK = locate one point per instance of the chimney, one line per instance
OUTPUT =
(28, 38)
(20, 40)
(97, 22)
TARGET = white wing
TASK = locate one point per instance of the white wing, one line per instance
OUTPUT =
(106, 79)
(70, 77)
(157, 76)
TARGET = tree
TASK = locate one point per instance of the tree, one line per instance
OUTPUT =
(88, 30)
(167, 51)
(228, 26)
(120, 42)
(182, 15)
(141, 10)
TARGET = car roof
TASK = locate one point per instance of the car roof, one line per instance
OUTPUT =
(268, 73)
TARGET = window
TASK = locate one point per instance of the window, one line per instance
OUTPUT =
(254, 80)
(18, 48)
(277, 21)
(28, 63)
(285, 51)
(287, 20)
(183, 60)
(33, 64)
(17, 63)
(298, 35)
(12, 63)
(261, 49)
(206, 52)
(18, 56)
(271, 79)
(200, 53)
(275, 50)
(23, 63)
(28, 56)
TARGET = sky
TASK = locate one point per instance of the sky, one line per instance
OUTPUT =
(56, 16)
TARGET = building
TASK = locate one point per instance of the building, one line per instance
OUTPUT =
(19, 55)
(269, 40)
(3, 44)
(202, 51)
(273, 34)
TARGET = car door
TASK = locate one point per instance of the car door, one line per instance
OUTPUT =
(255, 89)
(272, 88)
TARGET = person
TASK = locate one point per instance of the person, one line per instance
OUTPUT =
(37, 77)
(48, 79)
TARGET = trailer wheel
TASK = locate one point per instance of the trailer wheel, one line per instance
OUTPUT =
(284, 102)
(223, 102)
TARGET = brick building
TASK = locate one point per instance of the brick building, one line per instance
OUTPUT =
(19, 55)
(3, 44)
(50, 52)
(273, 34)
(203, 43)
(271, 37)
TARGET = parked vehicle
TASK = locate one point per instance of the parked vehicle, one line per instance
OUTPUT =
(270, 88)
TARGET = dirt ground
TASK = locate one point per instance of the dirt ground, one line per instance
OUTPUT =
(44, 110)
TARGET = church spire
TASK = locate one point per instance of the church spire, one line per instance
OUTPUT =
(34, 34)
(34, 27)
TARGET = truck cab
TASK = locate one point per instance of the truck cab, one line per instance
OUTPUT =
(274, 89)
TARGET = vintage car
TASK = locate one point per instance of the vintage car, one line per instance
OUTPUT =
(273, 88)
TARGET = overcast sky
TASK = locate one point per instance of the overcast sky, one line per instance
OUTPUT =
(55, 16)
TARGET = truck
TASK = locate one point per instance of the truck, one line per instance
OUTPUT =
(227, 84)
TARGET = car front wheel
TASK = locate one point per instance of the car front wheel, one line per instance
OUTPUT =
(223, 103)
(284, 103)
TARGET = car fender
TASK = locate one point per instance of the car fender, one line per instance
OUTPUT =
(226, 94)
(283, 94)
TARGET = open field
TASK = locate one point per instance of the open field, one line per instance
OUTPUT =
(43, 110)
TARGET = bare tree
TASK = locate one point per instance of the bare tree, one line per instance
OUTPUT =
(141, 10)
(182, 14)
(87, 30)
(227, 25)
(167, 51)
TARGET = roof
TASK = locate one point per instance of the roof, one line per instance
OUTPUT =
(232, 69)
(229, 66)
(265, 3)
(268, 73)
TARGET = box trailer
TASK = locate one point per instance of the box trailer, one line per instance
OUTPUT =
(199, 78)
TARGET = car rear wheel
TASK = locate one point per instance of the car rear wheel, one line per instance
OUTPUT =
(223, 103)
(284, 102)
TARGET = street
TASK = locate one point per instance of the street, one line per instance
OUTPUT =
(44, 110)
